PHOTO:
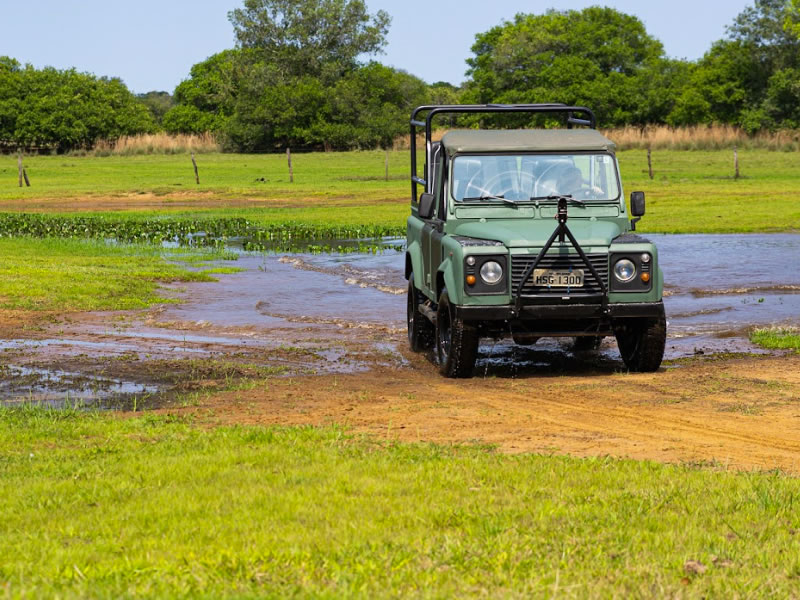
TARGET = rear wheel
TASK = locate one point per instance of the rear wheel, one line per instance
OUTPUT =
(420, 329)
(641, 342)
(456, 342)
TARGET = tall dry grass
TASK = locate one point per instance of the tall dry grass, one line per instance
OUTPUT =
(661, 137)
(403, 142)
(701, 137)
(656, 137)
(157, 143)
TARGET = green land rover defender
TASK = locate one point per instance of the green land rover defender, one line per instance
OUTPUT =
(525, 232)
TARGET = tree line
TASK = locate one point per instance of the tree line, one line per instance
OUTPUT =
(297, 78)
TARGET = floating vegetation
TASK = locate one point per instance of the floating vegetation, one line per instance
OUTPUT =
(209, 232)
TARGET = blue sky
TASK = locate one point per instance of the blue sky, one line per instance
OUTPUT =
(152, 44)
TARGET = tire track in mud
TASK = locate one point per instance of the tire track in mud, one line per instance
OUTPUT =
(657, 425)
(578, 413)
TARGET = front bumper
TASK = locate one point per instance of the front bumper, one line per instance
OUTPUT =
(560, 311)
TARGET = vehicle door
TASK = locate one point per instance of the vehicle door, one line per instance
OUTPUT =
(433, 231)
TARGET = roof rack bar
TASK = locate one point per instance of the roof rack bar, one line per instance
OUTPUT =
(437, 109)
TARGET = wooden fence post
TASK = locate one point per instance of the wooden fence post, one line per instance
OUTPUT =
(649, 164)
(25, 176)
(19, 167)
(289, 160)
(196, 174)
(735, 163)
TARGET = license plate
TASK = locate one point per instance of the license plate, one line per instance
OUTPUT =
(553, 278)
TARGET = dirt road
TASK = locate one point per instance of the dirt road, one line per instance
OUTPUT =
(737, 412)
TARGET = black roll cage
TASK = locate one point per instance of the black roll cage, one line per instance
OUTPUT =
(438, 109)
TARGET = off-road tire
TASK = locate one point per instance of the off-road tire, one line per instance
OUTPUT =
(641, 342)
(421, 333)
(456, 342)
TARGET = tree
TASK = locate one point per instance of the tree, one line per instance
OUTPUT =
(205, 100)
(723, 83)
(750, 79)
(309, 37)
(295, 79)
(365, 108)
(597, 56)
(791, 22)
(65, 109)
(158, 103)
(763, 24)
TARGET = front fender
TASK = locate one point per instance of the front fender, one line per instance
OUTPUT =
(413, 259)
(447, 278)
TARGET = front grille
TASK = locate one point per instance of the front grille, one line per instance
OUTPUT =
(561, 262)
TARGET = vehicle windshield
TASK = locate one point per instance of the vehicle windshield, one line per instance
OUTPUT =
(524, 177)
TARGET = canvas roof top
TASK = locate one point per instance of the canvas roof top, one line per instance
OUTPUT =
(525, 140)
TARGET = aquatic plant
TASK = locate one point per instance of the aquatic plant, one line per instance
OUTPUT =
(288, 236)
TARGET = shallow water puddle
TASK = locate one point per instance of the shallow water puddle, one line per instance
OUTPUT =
(57, 388)
(339, 313)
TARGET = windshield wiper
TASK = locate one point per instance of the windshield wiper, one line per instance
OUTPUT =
(488, 197)
(568, 198)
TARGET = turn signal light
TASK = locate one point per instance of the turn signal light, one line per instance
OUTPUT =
(471, 279)
(645, 277)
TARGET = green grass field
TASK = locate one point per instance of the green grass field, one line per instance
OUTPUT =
(69, 275)
(98, 506)
(157, 506)
(692, 191)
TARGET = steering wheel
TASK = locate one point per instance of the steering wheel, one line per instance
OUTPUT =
(520, 181)
(547, 187)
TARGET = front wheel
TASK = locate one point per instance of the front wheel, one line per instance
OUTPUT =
(456, 342)
(641, 342)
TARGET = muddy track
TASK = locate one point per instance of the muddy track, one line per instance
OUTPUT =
(709, 411)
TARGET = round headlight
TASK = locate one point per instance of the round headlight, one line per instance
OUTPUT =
(491, 272)
(645, 258)
(470, 260)
(624, 270)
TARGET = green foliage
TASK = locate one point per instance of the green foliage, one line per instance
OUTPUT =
(598, 57)
(723, 84)
(206, 98)
(791, 22)
(318, 38)
(185, 118)
(751, 79)
(155, 506)
(295, 81)
(364, 108)
(65, 109)
(605, 59)
(285, 236)
(158, 103)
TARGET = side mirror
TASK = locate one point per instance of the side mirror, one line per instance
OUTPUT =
(637, 204)
(427, 202)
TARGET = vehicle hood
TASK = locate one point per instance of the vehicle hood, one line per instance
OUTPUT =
(526, 233)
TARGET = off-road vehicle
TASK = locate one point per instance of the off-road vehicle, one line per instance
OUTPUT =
(525, 232)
